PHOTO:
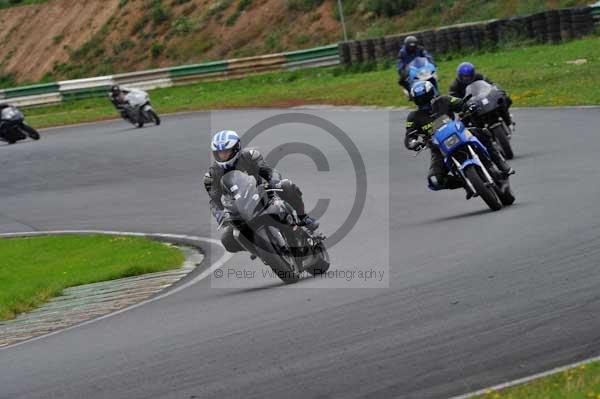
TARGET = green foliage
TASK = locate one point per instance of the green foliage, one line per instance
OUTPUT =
(124, 45)
(7, 80)
(12, 3)
(390, 8)
(123, 3)
(140, 24)
(217, 7)
(303, 5)
(159, 13)
(157, 49)
(182, 26)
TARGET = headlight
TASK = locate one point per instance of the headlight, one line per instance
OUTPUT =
(451, 141)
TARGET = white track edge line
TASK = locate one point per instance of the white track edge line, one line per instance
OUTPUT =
(216, 265)
(524, 380)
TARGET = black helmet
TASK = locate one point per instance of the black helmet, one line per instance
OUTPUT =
(422, 93)
(410, 43)
(115, 89)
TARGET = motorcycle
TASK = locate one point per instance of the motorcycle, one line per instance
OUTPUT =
(268, 228)
(13, 127)
(138, 109)
(421, 69)
(486, 100)
(467, 159)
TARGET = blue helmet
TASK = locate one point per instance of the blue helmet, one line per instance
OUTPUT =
(466, 72)
(226, 147)
(422, 93)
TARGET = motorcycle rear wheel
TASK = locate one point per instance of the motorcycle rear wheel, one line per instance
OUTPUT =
(488, 194)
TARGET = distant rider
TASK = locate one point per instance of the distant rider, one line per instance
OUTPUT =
(117, 97)
(465, 75)
(420, 121)
(409, 51)
(229, 155)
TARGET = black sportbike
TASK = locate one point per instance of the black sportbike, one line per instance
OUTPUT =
(13, 127)
(486, 102)
(268, 228)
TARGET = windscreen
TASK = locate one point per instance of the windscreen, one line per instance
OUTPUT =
(243, 196)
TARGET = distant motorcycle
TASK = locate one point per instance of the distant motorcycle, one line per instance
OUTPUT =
(421, 69)
(469, 160)
(138, 109)
(13, 127)
(486, 101)
(268, 227)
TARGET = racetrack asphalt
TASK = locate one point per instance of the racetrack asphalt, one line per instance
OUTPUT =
(470, 298)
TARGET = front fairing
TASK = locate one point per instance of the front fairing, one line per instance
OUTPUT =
(450, 135)
(137, 98)
(483, 95)
(11, 114)
(242, 196)
(421, 69)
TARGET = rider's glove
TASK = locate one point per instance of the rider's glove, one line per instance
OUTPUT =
(416, 144)
(472, 108)
(220, 216)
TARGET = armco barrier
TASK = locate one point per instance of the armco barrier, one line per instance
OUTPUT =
(166, 77)
(552, 26)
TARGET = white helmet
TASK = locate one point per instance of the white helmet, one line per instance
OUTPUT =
(226, 147)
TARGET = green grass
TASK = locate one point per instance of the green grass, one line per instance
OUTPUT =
(14, 3)
(535, 75)
(33, 270)
(582, 382)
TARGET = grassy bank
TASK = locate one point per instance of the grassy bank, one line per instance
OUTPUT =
(34, 270)
(582, 382)
(535, 75)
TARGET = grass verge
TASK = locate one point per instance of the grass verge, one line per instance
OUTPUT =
(581, 382)
(535, 75)
(35, 269)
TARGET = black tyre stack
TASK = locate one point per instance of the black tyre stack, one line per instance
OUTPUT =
(356, 54)
(344, 53)
(466, 37)
(582, 21)
(538, 25)
(441, 41)
(453, 35)
(553, 26)
(492, 35)
(368, 50)
(478, 35)
(380, 50)
(566, 24)
(428, 41)
(392, 45)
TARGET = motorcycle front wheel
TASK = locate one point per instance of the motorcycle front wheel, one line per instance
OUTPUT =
(280, 260)
(29, 131)
(488, 194)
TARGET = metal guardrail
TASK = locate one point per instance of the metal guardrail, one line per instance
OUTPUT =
(53, 93)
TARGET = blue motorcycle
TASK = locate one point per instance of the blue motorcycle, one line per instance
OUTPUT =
(421, 69)
(468, 159)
